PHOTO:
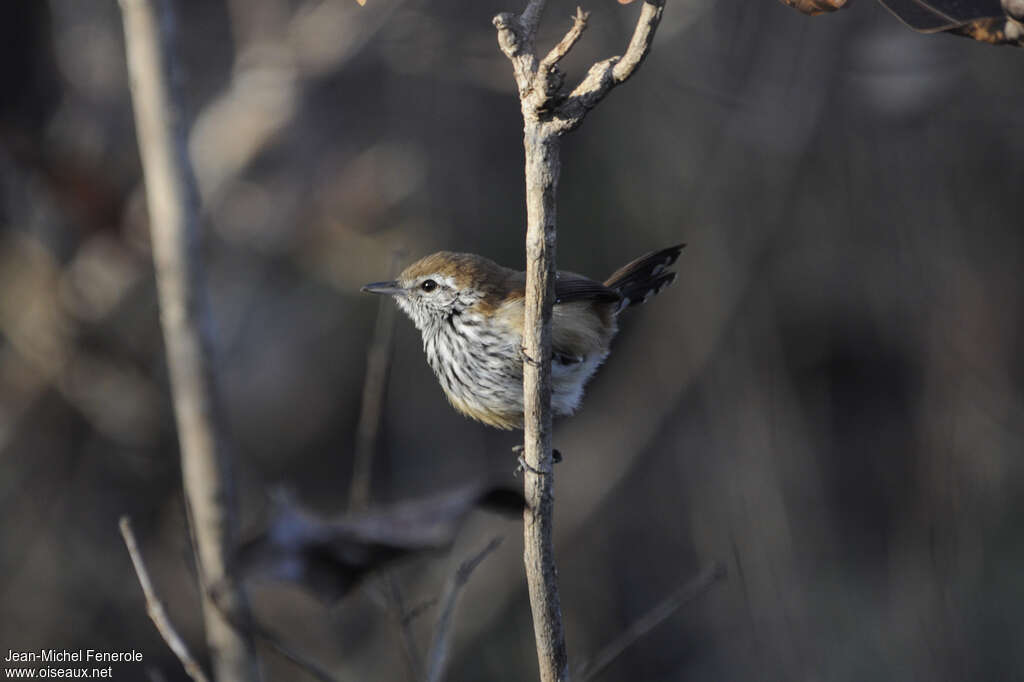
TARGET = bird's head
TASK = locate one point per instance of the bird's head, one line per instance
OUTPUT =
(441, 285)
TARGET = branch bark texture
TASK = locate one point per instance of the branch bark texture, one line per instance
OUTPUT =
(549, 111)
(174, 227)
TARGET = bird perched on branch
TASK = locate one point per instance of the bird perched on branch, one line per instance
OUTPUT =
(470, 310)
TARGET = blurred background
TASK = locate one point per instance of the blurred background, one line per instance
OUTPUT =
(829, 401)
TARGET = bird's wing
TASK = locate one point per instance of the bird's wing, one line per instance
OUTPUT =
(569, 287)
(582, 320)
(579, 329)
(578, 326)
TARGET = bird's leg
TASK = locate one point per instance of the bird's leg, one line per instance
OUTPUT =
(556, 457)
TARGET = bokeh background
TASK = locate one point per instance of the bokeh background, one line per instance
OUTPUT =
(829, 401)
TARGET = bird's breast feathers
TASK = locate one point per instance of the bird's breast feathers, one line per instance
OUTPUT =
(477, 357)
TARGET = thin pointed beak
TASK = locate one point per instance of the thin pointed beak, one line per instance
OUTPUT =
(388, 288)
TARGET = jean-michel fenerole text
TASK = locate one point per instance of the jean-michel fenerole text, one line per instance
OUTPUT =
(69, 655)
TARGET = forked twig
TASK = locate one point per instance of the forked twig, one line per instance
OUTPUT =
(155, 608)
(606, 74)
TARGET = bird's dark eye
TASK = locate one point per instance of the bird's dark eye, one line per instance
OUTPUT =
(428, 285)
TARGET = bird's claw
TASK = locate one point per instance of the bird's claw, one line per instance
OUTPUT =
(518, 450)
(523, 466)
(526, 358)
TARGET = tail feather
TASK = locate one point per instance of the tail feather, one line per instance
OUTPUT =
(644, 277)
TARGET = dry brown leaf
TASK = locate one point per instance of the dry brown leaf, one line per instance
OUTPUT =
(815, 7)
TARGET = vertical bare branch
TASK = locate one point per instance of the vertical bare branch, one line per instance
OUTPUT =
(542, 168)
(174, 225)
(549, 112)
(155, 608)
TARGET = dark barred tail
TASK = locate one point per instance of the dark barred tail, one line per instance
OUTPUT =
(647, 275)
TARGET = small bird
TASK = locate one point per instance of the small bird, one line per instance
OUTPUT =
(469, 311)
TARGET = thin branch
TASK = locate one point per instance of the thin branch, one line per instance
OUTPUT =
(643, 38)
(530, 18)
(542, 168)
(378, 365)
(548, 80)
(650, 620)
(155, 608)
(606, 74)
(418, 609)
(438, 656)
(301, 660)
(174, 225)
(558, 52)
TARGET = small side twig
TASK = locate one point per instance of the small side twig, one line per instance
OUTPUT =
(438, 655)
(650, 620)
(558, 52)
(418, 609)
(301, 660)
(155, 608)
